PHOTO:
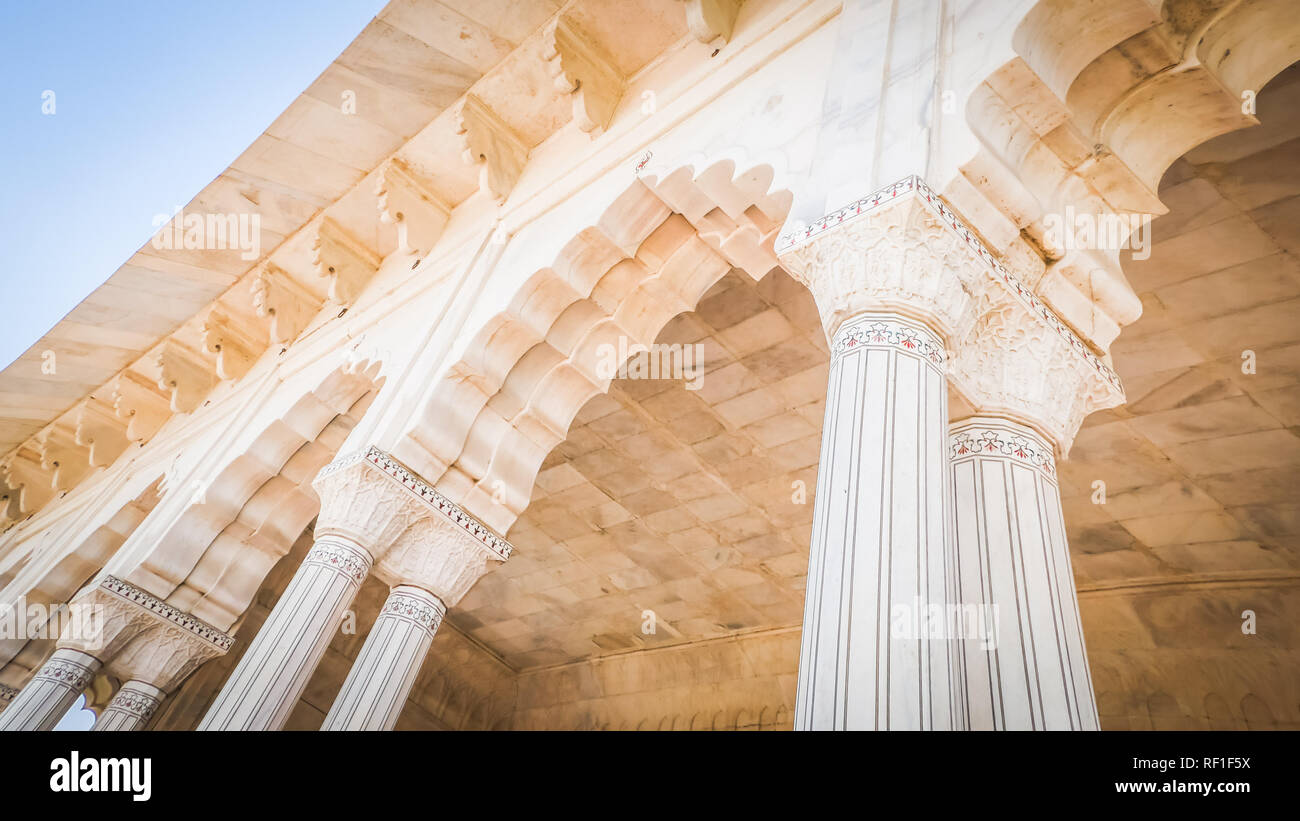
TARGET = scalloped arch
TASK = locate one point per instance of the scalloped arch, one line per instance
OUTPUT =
(495, 414)
(220, 548)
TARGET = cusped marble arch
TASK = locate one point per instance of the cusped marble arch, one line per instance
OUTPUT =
(659, 246)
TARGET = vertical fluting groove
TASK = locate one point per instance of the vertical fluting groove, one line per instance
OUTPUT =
(1053, 592)
(886, 544)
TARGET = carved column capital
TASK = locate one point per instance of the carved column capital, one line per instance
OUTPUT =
(371, 500)
(440, 556)
(888, 252)
(1015, 364)
(138, 636)
(903, 249)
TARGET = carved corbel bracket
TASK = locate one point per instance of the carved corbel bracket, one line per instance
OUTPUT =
(279, 298)
(235, 341)
(418, 213)
(341, 259)
(101, 431)
(65, 460)
(584, 71)
(709, 20)
(184, 375)
(138, 403)
(33, 484)
(490, 144)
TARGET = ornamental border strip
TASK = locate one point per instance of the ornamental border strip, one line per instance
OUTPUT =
(1036, 455)
(405, 477)
(66, 672)
(425, 614)
(852, 335)
(192, 624)
(340, 557)
(914, 184)
(135, 703)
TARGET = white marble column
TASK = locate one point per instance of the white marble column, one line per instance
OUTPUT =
(1029, 670)
(368, 503)
(131, 708)
(892, 284)
(878, 548)
(378, 683)
(430, 568)
(51, 692)
(1031, 382)
(271, 675)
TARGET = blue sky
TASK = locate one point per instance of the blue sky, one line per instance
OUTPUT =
(152, 100)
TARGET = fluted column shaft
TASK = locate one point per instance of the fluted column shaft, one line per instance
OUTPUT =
(270, 677)
(51, 692)
(878, 547)
(131, 708)
(379, 682)
(1014, 562)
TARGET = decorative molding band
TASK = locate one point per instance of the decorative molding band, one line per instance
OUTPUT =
(996, 441)
(425, 611)
(66, 673)
(425, 492)
(339, 557)
(915, 185)
(871, 331)
(135, 703)
(122, 589)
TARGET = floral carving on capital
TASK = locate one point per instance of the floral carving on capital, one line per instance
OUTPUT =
(898, 257)
(437, 556)
(1011, 363)
(363, 505)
